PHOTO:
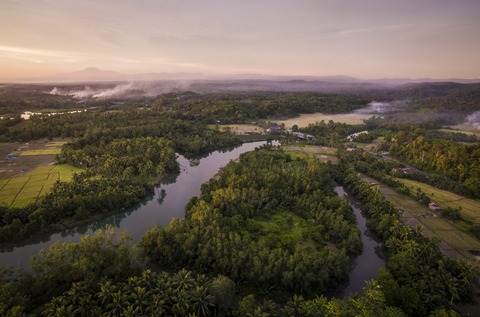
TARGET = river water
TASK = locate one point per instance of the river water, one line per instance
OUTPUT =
(374, 256)
(169, 200)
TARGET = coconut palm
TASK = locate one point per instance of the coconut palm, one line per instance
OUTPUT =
(118, 305)
(182, 280)
(202, 302)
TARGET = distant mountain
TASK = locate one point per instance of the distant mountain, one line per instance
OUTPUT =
(88, 74)
(93, 74)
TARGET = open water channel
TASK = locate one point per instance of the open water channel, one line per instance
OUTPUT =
(169, 201)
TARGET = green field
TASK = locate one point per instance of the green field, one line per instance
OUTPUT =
(55, 143)
(41, 152)
(323, 153)
(21, 191)
(238, 128)
(443, 198)
(305, 119)
(454, 234)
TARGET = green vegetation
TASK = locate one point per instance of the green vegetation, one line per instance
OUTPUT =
(249, 223)
(468, 207)
(21, 191)
(457, 162)
(79, 199)
(41, 152)
(270, 229)
(454, 225)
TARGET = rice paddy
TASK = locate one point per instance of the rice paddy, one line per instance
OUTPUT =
(21, 191)
(444, 199)
(454, 234)
(41, 152)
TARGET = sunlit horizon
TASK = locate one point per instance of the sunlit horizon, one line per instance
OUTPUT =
(368, 39)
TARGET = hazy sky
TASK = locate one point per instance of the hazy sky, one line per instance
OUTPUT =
(359, 38)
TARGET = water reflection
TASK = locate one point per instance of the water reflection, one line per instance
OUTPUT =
(167, 201)
(374, 256)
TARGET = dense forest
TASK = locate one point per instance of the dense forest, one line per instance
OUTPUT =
(268, 235)
(234, 247)
(249, 224)
(458, 162)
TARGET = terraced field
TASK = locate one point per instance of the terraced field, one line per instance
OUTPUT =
(21, 191)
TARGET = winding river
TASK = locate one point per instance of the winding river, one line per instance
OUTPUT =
(169, 201)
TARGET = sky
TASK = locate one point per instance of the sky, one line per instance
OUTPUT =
(360, 38)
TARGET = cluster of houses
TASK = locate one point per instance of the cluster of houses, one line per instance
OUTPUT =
(274, 128)
(304, 135)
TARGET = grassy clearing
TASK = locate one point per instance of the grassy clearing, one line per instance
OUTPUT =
(55, 143)
(307, 118)
(324, 154)
(459, 131)
(238, 128)
(21, 191)
(41, 152)
(464, 128)
(367, 146)
(285, 224)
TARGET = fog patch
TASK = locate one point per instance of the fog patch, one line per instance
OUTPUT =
(474, 119)
(87, 92)
(375, 107)
(132, 89)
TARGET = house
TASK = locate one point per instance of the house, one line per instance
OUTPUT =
(350, 149)
(434, 206)
(405, 170)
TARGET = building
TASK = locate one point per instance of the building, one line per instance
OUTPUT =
(405, 170)
(350, 149)
(434, 206)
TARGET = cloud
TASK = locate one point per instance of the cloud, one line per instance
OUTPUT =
(36, 56)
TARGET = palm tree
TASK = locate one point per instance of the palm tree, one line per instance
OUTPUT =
(202, 301)
(182, 305)
(75, 293)
(396, 228)
(131, 312)
(118, 304)
(85, 306)
(182, 280)
(157, 305)
(55, 303)
(141, 298)
(106, 292)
